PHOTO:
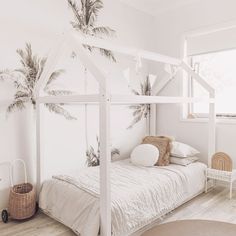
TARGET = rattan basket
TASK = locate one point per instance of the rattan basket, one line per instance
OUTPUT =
(22, 199)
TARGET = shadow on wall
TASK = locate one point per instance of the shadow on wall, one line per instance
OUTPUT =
(26, 133)
(4, 201)
(5, 184)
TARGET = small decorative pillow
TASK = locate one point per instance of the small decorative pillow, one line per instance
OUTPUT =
(183, 161)
(145, 155)
(182, 150)
(163, 145)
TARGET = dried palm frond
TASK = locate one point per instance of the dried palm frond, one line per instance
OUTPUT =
(18, 104)
(85, 18)
(5, 75)
(58, 92)
(142, 110)
(19, 85)
(101, 31)
(26, 78)
(54, 76)
(115, 151)
(107, 53)
(58, 109)
(93, 157)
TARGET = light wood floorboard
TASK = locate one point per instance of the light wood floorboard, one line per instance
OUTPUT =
(215, 205)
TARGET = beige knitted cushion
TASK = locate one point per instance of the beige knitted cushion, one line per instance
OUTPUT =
(163, 145)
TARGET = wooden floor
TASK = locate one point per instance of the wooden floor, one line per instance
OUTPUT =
(215, 205)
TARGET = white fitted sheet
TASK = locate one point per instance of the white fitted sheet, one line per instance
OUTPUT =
(79, 209)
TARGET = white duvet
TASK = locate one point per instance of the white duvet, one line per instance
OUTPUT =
(139, 196)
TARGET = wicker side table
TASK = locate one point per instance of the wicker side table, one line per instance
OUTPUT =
(226, 176)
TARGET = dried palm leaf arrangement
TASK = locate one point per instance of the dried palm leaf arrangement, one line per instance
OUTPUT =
(141, 111)
(93, 156)
(85, 18)
(25, 79)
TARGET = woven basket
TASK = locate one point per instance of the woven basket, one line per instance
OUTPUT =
(22, 199)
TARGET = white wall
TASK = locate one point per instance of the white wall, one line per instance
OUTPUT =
(40, 22)
(170, 26)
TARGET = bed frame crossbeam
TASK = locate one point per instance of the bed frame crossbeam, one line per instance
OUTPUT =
(212, 111)
(122, 99)
(105, 99)
(134, 52)
(52, 60)
(131, 99)
(71, 99)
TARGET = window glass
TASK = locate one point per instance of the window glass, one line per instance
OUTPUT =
(219, 70)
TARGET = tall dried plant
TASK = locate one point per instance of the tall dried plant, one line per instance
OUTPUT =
(141, 111)
(85, 21)
(25, 79)
(93, 156)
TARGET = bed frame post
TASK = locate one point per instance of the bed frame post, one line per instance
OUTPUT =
(152, 119)
(38, 147)
(53, 58)
(105, 161)
(212, 129)
(212, 113)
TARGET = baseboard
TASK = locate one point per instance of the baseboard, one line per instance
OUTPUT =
(220, 183)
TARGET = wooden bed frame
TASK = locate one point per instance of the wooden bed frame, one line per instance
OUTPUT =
(105, 100)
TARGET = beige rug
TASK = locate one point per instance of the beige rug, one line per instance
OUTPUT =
(193, 228)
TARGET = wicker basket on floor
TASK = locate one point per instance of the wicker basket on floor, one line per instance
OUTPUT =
(22, 199)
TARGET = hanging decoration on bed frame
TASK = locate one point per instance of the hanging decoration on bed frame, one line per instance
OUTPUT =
(25, 80)
(141, 111)
(86, 16)
(93, 157)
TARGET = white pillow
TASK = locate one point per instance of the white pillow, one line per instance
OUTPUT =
(183, 161)
(182, 150)
(145, 155)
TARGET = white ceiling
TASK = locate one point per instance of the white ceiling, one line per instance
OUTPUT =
(155, 7)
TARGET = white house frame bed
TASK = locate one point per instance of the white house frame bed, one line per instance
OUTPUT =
(105, 100)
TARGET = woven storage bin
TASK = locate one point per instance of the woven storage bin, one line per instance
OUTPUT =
(22, 199)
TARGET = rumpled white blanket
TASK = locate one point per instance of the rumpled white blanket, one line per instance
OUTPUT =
(139, 195)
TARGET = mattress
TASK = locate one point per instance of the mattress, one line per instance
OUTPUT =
(74, 201)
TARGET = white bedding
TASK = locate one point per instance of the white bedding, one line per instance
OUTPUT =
(139, 195)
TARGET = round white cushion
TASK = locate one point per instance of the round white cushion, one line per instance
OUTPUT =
(145, 155)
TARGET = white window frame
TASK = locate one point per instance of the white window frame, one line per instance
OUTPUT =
(184, 111)
(190, 92)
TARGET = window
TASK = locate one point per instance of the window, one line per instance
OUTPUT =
(219, 70)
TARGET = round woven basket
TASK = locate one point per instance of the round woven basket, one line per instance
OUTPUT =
(22, 201)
